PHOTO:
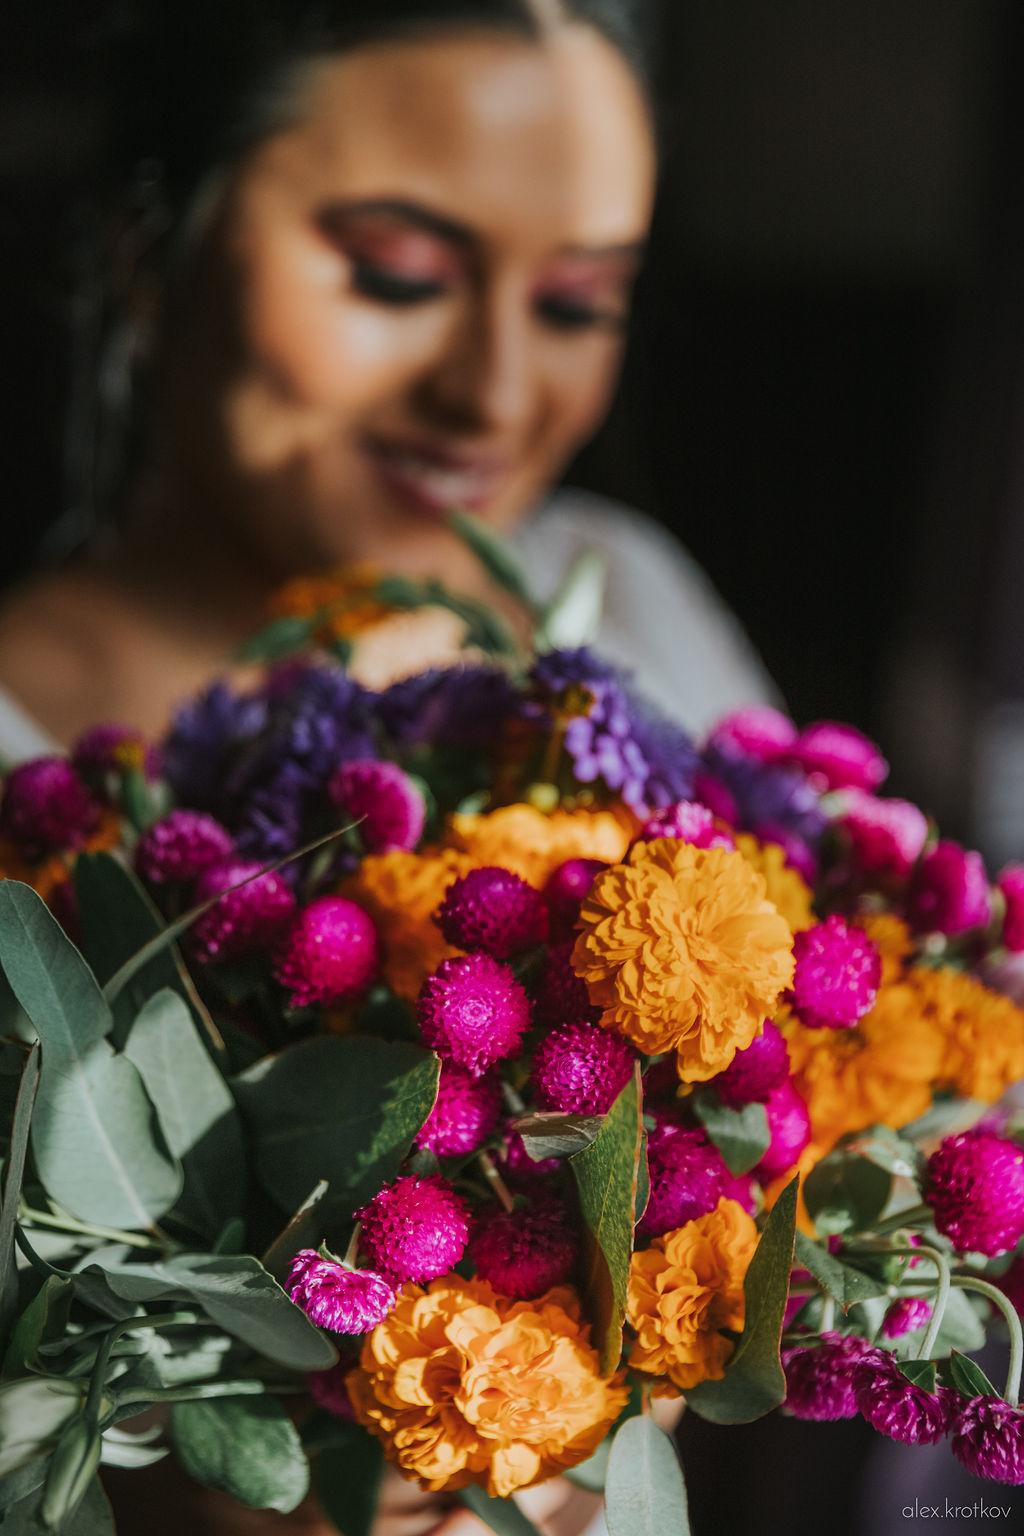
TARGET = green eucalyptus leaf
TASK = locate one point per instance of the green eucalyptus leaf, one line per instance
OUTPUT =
(280, 638)
(247, 1446)
(922, 1373)
(346, 1479)
(846, 1284)
(573, 616)
(344, 1109)
(754, 1382)
(195, 1108)
(645, 1494)
(968, 1377)
(14, 1173)
(607, 1175)
(846, 1193)
(33, 1413)
(44, 1319)
(73, 1467)
(741, 1135)
(555, 1134)
(961, 1328)
(494, 553)
(304, 1230)
(499, 1515)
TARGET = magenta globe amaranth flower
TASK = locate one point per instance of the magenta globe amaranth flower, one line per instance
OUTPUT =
(467, 1109)
(755, 1072)
(390, 808)
(838, 971)
(895, 1406)
(974, 1183)
(796, 850)
(789, 1126)
(524, 1252)
(559, 994)
(110, 748)
(690, 822)
(581, 1068)
(1011, 883)
(949, 893)
(414, 1229)
(244, 921)
(710, 790)
(337, 1297)
(906, 1315)
(687, 1177)
(885, 836)
(473, 1011)
(177, 849)
(839, 756)
(493, 910)
(757, 731)
(987, 1437)
(521, 1171)
(328, 954)
(329, 1389)
(47, 807)
(565, 890)
(820, 1377)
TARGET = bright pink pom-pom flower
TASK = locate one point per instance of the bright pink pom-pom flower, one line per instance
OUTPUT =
(244, 921)
(519, 1169)
(177, 848)
(328, 955)
(581, 1068)
(493, 910)
(895, 1406)
(789, 1125)
(473, 1011)
(467, 1109)
(718, 798)
(987, 1437)
(974, 1183)
(335, 1297)
(1011, 883)
(687, 1175)
(838, 971)
(329, 1389)
(820, 1377)
(524, 1252)
(886, 836)
(565, 890)
(949, 893)
(756, 1072)
(758, 731)
(905, 1316)
(392, 808)
(47, 807)
(688, 821)
(560, 995)
(414, 1229)
(839, 756)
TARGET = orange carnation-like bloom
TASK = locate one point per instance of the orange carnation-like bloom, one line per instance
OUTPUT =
(344, 602)
(532, 844)
(684, 1288)
(463, 1386)
(45, 875)
(683, 951)
(401, 891)
(784, 887)
(984, 1031)
(891, 937)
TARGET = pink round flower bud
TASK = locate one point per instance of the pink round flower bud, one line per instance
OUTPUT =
(758, 731)
(335, 1297)
(560, 995)
(565, 890)
(949, 893)
(838, 971)
(176, 849)
(886, 836)
(688, 821)
(839, 757)
(790, 1127)
(414, 1229)
(755, 1072)
(523, 1253)
(1011, 883)
(467, 1109)
(329, 1389)
(974, 1183)
(328, 954)
(473, 1011)
(581, 1069)
(47, 807)
(493, 910)
(245, 920)
(391, 807)
(687, 1177)
(906, 1315)
(895, 1406)
(987, 1437)
(820, 1377)
(110, 748)
(718, 798)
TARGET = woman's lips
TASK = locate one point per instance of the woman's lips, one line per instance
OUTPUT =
(435, 481)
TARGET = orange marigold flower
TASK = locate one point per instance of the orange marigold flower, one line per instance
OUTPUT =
(984, 1031)
(401, 891)
(683, 951)
(784, 886)
(684, 1288)
(46, 875)
(532, 844)
(346, 599)
(464, 1386)
(891, 937)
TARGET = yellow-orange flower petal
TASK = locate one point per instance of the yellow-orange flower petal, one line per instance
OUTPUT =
(401, 891)
(531, 844)
(783, 885)
(891, 937)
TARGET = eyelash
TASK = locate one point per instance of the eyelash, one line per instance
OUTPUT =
(385, 287)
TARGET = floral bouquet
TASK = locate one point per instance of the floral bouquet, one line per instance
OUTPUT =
(432, 1073)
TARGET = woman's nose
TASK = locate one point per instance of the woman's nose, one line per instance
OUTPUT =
(485, 379)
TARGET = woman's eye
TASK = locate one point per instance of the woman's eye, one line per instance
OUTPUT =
(389, 287)
(575, 315)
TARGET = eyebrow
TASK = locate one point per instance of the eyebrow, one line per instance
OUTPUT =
(449, 229)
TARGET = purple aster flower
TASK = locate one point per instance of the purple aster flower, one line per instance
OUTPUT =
(204, 735)
(452, 706)
(766, 795)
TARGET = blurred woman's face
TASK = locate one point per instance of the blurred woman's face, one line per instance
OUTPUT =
(414, 298)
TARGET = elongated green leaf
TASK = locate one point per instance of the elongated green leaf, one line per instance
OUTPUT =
(921, 1372)
(344, 1109)
(494, 553)
(606, 1175)
(43, 1319)
(346, 1479)
(554, 1134)
(846, 1193)
(845, 1283)
(304, 1230)
(969, 1378)
(501, 1515)
(13, 1176)
(48, 975)
(278, 639)
(195, 1108)
(644, 1493)
(754, 1382)
(248, 1446)
(741, 1135)
(573, 616)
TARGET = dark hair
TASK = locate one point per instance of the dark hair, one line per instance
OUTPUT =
(192, 87)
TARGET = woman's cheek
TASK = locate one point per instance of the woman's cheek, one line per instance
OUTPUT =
(582, 374)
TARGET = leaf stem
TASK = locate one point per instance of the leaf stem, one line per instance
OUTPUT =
(39, 1264)
(73, 1227)
(1000, 1300)
(911, 1216)
(495, 1180)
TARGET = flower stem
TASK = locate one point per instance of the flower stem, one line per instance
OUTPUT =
(351, 1259)
(495, 1180)
(98, 1379)
(74, 1228)
(828, 1313)
(911, 1216)
(1000, 1300)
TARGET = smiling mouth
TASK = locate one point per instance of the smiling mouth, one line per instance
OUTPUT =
(434, 481)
